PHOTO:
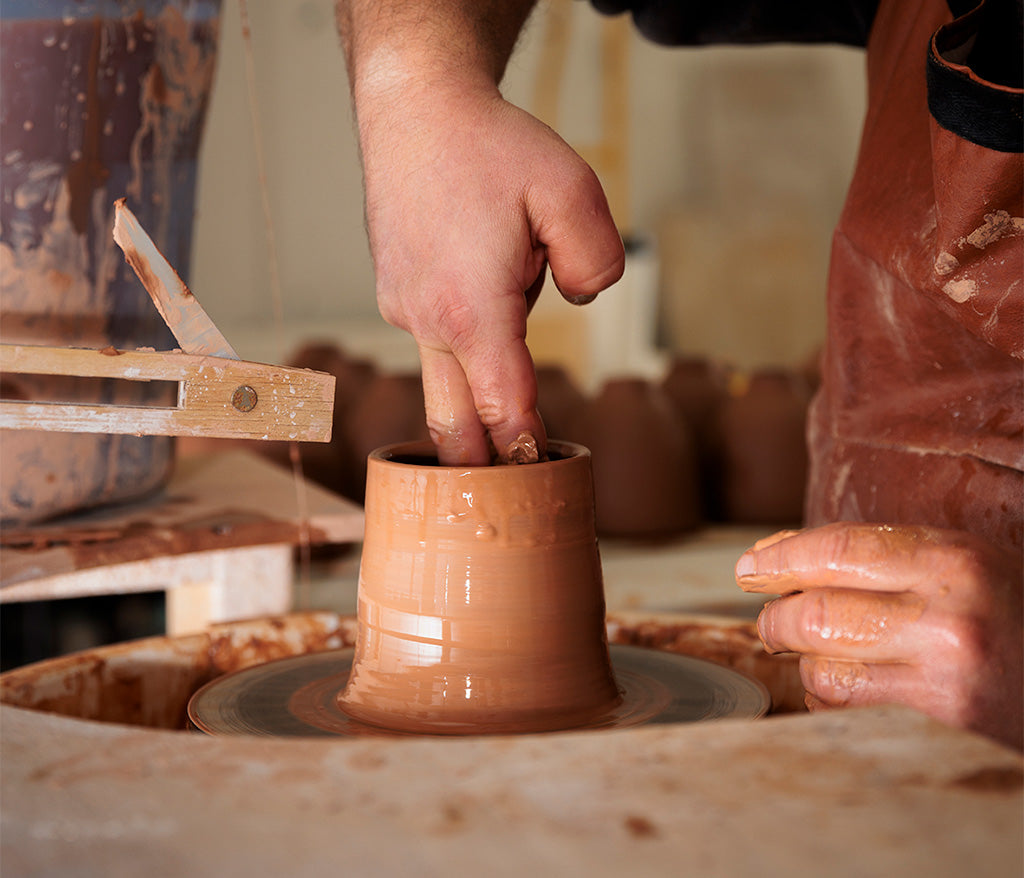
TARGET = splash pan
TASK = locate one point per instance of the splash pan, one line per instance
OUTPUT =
(297, 697)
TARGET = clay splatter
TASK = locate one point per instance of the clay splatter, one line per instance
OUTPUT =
(960, 290)
(946, 263)
(996, 226)
(640, 827)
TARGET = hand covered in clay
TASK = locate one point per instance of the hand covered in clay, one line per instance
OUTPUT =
(467, 199)
(925, 617)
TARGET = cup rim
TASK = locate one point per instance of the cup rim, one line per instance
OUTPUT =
(568, 451)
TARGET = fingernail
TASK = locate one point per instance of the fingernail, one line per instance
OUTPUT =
(763, 631)
(585, 299)
(746, 565)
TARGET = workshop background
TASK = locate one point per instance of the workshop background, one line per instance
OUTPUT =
(725, 167)
(735, 163)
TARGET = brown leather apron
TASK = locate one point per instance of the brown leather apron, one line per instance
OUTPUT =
(919, 420)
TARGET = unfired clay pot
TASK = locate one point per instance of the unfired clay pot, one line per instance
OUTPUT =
(696, 388)
(559, 401)
(481, 604)
(390, 409)
(762, 424)
(645, 465)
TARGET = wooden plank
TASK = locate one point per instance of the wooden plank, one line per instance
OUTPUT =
(245, 583)
(288, 403)
(214, 501)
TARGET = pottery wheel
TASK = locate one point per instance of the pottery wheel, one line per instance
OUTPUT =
(297, 697)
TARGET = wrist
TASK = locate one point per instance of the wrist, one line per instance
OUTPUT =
(394, 44)
(387, 74)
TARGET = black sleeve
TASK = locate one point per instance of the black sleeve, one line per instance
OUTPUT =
(975, 74)
(688, 23)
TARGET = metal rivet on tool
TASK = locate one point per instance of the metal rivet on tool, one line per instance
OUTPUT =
(244, 398)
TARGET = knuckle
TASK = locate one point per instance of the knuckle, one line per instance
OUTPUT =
(493, 415)
(440, 426)
(457, 324)
(965, 570)
(815, 617)
(837, 683)
(837, 542)
(444, 319)
(966, 637)
(389, 304)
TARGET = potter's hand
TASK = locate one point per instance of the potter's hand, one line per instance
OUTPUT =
(925, 617)
(467, 199)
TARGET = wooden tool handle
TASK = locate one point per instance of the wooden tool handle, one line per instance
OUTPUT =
(217, 397)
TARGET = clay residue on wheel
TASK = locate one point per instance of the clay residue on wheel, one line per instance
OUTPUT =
(732, 643)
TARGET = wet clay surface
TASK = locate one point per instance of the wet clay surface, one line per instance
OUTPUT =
(480, 597)
(298, 697)
(148, 682)
(522, 450)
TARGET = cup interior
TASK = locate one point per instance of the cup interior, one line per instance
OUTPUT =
(422, 453)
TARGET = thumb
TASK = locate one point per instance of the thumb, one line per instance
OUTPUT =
(575, 225)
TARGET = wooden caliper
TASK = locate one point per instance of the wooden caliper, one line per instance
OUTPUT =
(219, 395)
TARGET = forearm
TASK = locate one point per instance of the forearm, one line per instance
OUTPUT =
(390, 41)
(469, 200)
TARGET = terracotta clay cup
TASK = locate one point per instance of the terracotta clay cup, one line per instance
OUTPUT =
(389, 409)
(645, 462)
(762, 424)
(696, 388)
(481, 603)
(559, 400)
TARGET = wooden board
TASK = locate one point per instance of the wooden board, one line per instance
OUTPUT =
(213, 502)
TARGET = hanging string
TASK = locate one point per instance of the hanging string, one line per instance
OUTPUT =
(277, 299)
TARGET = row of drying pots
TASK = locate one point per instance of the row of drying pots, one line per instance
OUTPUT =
(705, 444)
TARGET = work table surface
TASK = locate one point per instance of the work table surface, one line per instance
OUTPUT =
(883, 791)
(868, 792)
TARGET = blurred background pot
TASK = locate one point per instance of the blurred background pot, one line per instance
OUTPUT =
(645, 464)
(762, 424)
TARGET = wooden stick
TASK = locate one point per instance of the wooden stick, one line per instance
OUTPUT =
(184, 316)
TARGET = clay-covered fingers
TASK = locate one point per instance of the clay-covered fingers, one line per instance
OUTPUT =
(834, 683)
(860, 648)
(455, 429)
(920, 616)
(504, 387)
(479, 395)
(853, 555)
(846, 624)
